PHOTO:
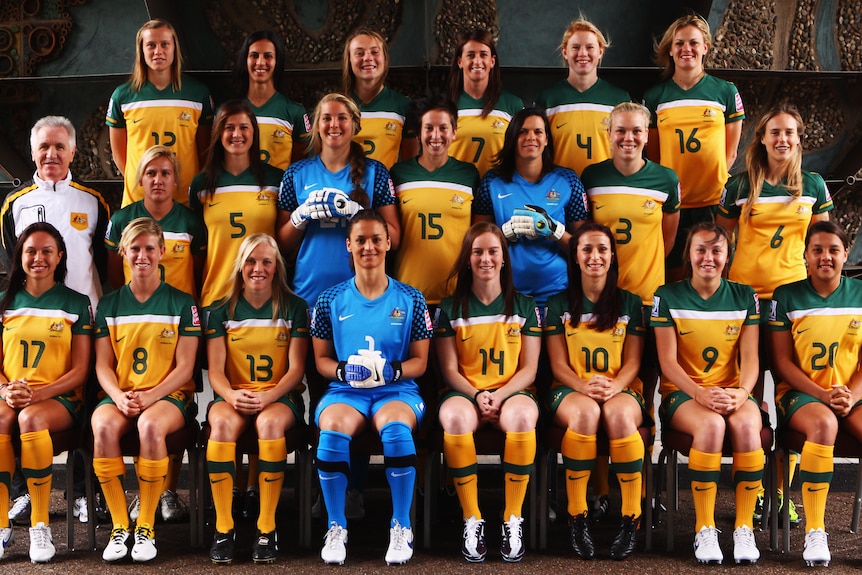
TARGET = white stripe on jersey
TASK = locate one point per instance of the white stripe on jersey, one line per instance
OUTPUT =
(279, 322)
(728, 315)
(148, 318)
(488, 319)
(582, 107)
(823, 312)
(382, 116)
(162, 104)
(691, 103)
(628, 191)
(36, 312)
(421, 184)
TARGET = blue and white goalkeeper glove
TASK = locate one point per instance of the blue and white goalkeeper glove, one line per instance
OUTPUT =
(533, 222)
(370, 369)
(330, 203)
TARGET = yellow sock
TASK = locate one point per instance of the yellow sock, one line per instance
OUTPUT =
(273, 460)
(253, 480)
(815, 471)
(704, 469)
(579, 456)
(748, 482)
(599, 476)
(460, 452)
(793, 459)
(221, 464)
(7, 468)
(152, 474)
(37, 455)
(519, 455)
(627, 455)
(111, 472)
(175, 464)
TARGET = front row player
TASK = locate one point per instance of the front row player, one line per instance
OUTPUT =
(706, 332)
(816, 332)
(146, 343)
(371, 337)
(257, 340)
(488, 343)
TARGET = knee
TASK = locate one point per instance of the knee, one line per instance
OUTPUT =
(150, 431)
(585, 415)
(824, 429)
(457, 421)
(30, 420)
(271, 426)
(712, 429)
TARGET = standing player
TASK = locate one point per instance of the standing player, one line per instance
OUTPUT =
(146, 342)
(536, 203)
(696, 128)
(158, 105)
(817, 342)
(371, 337)
(435, 194)
(283, 123)
(596, 383)
(578, 105)
(484, 108)
(257, 340)
(46, 349)
(236, 194)
(706, 330)
(364, 67)
(488, 345)
(786, 201)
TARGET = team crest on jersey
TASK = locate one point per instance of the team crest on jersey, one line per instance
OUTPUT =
(397, 316)
(618, 331)
(56, 328)
(709, 115)
(552, 197)
(391, 128)
(265, 197)
(498, 125)
(185, 117)
(731, 331)
(803, 210)
(456, 201)
(167, 333)
(178, 248)
(513, 333)
(649, 206)
(278, 134)
(79, 220)
(854, 326)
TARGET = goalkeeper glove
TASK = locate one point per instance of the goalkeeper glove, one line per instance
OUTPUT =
(369, 369)
(330, 203)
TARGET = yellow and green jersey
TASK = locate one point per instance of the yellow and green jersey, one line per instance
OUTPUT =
(37, 334)
(593, 352)
(633, 207)
(578, 121)
(282, 124)
(487, 341)
(707, 330)
(692, 134)
(436, 211)
(826, 331)
(238, 207)
(383, 126)
(772, 237)
(185, 237)
(480, 139)
(257, 345)
(153, 117)
(145, 335)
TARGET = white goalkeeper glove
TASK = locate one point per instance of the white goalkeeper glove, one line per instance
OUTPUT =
(533, 222)
(369, 369)
(330, 203)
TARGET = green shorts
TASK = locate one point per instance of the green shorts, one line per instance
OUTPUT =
(673, 400)
(793, 400)
(184, 400)
(556, 395)
(292, 399)
(452, 393)
(73, 402)
(688, 217)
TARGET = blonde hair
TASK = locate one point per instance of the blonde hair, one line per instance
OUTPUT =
(662, 47)
(757, 160)
(628, 107)
(348, 78)
(583, 25)
(139, 72)
(155, 153)
(139, 227)
(280, 291)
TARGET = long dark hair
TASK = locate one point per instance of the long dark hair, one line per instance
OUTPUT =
(216, 156)
(607, 309)
(241, 66)
(365, 215)
(495, 78)
(506, 158)
(17, 278)
(464, 277)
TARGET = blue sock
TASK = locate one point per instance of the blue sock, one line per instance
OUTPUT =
(333, 468)
(399, 458)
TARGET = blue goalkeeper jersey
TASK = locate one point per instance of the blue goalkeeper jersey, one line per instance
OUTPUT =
(389, 323)
(538, 266)
(323, 259)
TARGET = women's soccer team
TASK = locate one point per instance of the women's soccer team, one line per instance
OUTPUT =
(544, 251)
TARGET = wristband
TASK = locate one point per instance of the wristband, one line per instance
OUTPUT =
(339, 371)
(396, 371)
(476, 397)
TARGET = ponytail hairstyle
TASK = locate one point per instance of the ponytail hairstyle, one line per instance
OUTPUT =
(608, 308)
(357, 154)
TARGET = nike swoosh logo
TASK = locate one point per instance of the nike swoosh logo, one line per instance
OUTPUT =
(136, 121)
(221, 541)
(462, 483)
(660, 120)
(309, 186)
(119, 339)
(37, 484)
(235, 338)
(218, 480)
(802, 330)
(271, 479)
(503, 196)
(466, 338)
(344, 317)
(326, 478)
(703, 488)
(811, 490)
(597, 208)
(571, 334)
(407, 200)
(149, 480)
(626, 480)
(750, 487)
(686, 332)
(513, 480)
(561, 125)
(577, 477)
(213, 204)
(402, 474)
